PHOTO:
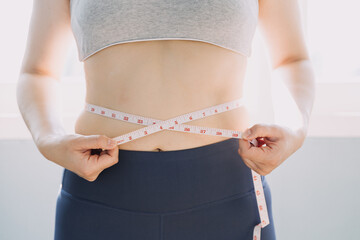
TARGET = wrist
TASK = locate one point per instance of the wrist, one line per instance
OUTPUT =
(300, 134)
(44, 136)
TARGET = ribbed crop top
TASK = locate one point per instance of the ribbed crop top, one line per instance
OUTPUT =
(98, 24)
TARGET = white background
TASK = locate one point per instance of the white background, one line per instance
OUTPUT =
(332, 34)
(315, 193)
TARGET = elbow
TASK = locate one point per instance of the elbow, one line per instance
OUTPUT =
(290, 60)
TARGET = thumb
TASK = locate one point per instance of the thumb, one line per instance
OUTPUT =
(109, 158)
(261, 130)
(97, 141)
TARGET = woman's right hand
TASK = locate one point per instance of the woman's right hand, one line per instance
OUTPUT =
(74, 152)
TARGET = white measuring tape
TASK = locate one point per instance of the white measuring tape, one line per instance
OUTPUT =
(176, 124)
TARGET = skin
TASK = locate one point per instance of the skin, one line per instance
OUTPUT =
(122, 77)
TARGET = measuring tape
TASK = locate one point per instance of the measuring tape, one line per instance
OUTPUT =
(176, 124)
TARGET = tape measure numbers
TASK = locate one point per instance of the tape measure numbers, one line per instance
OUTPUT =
(176, 124)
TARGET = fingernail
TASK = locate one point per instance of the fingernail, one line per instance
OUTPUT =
(247, 133)
(254, 142)
(111, 142)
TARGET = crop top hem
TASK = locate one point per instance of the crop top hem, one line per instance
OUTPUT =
(229, 24)
(246, 54)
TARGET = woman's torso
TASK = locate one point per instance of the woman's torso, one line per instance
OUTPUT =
(163, 79)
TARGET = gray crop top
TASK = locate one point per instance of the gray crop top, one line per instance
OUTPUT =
(97, 24)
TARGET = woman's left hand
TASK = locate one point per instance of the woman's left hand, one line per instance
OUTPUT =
(280, 142)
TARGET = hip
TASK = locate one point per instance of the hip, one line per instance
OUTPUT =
(169, 181)
(199, 193)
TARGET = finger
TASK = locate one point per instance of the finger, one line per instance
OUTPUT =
(111, 152)
(247, 144)
(271, 132)
(247, 150)
(244, 146)
(96, 141)
(106, 160)
(250, 164)
(254, 142)
(261, 154)
(254, 167)
(102, 161)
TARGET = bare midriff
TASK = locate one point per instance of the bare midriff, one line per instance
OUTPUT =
(163, 79)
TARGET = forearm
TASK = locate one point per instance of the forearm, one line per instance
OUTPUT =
(293, 93)
(39, 103)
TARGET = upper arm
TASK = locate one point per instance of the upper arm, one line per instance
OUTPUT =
(281, 26)
(48, 38)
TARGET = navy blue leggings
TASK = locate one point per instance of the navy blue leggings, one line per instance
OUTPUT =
(202, 193)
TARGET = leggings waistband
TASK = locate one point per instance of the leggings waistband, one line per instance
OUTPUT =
(160, 182)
